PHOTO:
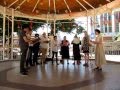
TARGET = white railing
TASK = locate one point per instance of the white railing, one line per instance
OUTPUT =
(111, 48)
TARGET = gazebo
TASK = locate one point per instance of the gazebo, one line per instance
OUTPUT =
(51, 10)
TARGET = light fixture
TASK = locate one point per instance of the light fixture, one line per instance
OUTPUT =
(108, 0)
(66, 11)
(41, 3)
(37, 11)
(28, 0)
(5, 3)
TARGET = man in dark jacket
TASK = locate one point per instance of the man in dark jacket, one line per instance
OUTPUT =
(23, 42)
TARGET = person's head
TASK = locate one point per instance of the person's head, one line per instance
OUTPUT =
(36, 35)
(55, 37)
(64, 38)
(44, 34)
(97, 31)
(26, 28)
(75, 36)
(85, 33)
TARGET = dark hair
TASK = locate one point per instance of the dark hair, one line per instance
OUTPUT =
(25, 26)
(97, 30)
(36, 35)
(55, 36)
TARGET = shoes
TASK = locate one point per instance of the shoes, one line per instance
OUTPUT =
(57, 63)
(86, 65)
(78, 62)
(37, 63)
(61, 61)
(98, 69)
(24, 70)
(24, 73)
(31, 65)
(74, 63)
(27, 68)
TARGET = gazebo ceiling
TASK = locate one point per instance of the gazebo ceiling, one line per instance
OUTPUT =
(38, 7)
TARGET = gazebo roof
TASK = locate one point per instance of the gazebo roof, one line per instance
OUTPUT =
(41, 8)
(52, 6)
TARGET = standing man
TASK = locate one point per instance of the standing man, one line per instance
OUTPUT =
(44, 47)
(24, 43)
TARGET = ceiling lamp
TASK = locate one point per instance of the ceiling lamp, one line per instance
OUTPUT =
(5, 2)
(28, 0)
(108, 0)
(41, 3)
(100, 5)
(80, 9)
(66, 11)
(37, 11)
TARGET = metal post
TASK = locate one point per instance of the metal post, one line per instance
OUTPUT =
(12, 34)
(94, 20)
(47, 23)
(8, 38)
(4, 19)
(54, 26)
(87, 21)
(113, 23)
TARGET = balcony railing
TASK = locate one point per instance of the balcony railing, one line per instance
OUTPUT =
(111, 49)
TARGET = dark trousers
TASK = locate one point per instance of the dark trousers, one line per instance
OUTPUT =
(29, 58)
(54, 54)
(35, 56)
(23, 58)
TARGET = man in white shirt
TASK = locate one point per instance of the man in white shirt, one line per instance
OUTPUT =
(44, 46)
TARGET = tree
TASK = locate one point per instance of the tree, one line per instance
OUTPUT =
(66, 26)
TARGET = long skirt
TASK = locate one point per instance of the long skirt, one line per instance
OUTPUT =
(65, 52)
(76, 52)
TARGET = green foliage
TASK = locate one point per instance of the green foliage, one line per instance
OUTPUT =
(79, 29)
(66, 26)
(61, 25)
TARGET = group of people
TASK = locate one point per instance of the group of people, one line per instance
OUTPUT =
(30, 48)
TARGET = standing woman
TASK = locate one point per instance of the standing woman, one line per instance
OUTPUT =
(85, 48)
(76, 49)
(55, 49)
(99, 51)
(65, 50)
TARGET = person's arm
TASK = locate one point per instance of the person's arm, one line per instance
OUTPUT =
(26, 40)
(72, 42)
(61, 44)
(97, 41)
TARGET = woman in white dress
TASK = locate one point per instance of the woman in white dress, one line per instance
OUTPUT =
(99, 50)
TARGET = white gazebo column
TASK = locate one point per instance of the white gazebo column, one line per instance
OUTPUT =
(12, 39)
(113, 23)
(94, 19)
(54, 26)
(4, 24)
(8, 38)
(87, 21)
(47, 22)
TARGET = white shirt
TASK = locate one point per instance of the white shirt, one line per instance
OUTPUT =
(44, 44)
(55, 45)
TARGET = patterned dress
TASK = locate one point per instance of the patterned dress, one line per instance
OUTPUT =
(85, 44)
